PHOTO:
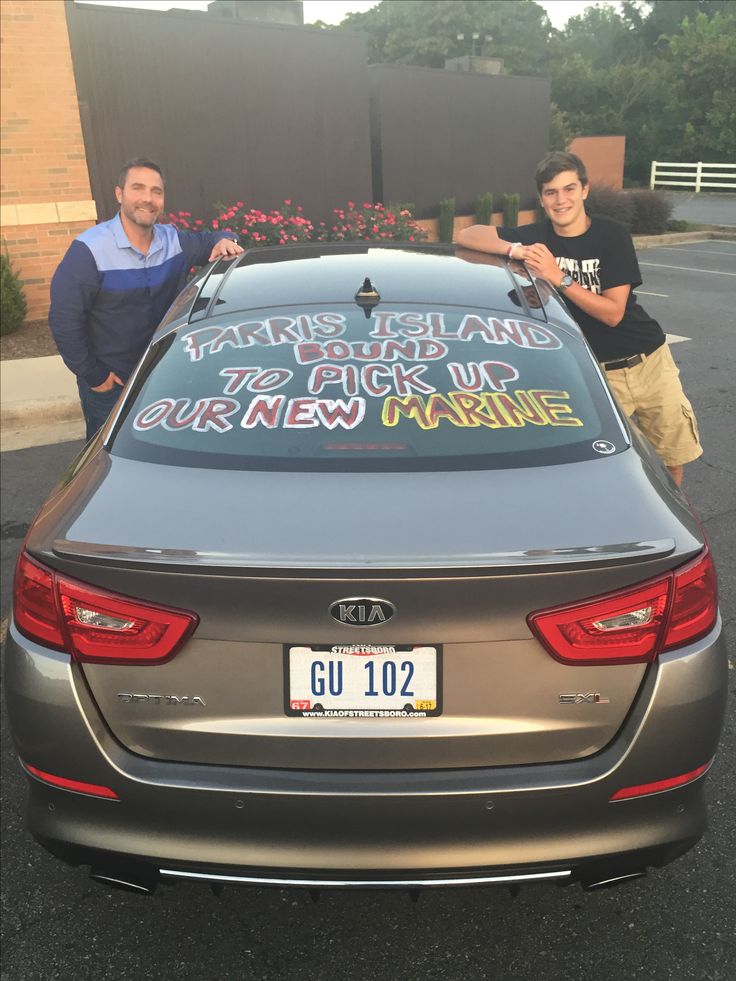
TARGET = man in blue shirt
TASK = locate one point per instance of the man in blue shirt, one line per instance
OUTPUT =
(116, 282)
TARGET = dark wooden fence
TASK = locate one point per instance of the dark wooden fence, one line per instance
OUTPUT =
(231, 111)
(451, 134)
(259, 113)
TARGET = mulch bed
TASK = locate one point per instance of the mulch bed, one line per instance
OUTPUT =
(31, 340)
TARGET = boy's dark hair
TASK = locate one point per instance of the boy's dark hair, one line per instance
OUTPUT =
(138, 162)
(556, 163)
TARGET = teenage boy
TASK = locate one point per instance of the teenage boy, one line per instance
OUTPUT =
(116, 282)
(593, 264)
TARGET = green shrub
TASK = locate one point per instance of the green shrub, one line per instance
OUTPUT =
(13, 304)
(511, 210)
(644, 212)
(397, 207)
(447, 220)
(652, 211)
(484, 209)
(606, 202)
(560, 131)
(678, 225)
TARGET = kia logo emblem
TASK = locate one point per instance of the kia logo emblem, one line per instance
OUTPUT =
(361, 611)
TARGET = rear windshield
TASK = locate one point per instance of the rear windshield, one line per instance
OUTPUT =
(343, 388)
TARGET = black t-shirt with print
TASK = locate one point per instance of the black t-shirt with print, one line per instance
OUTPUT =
(599, 259)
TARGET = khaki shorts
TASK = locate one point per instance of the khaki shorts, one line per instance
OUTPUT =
(652, 390)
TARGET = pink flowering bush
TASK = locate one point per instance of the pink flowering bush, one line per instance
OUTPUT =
(370, 223)
(286, 226)
(282, 227)
(184, 220)
(254, 227)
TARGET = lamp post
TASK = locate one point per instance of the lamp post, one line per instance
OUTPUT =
(474, 37)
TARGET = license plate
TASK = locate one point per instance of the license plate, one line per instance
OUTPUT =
(374, 681)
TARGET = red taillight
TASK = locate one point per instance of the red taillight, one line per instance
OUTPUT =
(659, 786)
(76, 786)
(622, 627)
(105, 627)
(635, 624)
(93, 624)
(34, 602)
(695, 603)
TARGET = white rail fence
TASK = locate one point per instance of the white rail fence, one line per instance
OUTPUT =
(695, 176)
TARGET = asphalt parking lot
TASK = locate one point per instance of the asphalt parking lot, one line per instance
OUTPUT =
(709, 207)
(679, 923)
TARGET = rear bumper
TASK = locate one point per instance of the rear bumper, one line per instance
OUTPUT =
(143, 875)
(554, 822)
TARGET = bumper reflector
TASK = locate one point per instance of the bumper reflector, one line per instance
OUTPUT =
(76, 786)
(644, 789)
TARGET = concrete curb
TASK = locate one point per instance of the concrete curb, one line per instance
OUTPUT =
(38, 422)
(727, 232)
(40, 410)
(56, 432)
(37, 393)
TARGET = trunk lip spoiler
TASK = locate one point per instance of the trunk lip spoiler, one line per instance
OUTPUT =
(581, 556)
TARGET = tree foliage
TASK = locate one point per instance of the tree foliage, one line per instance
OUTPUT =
(705, 54)
(425, 32)
(660, 72)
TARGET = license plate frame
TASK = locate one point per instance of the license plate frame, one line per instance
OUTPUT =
(294, 707)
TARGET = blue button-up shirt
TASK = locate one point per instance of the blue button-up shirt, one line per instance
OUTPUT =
(107, 297)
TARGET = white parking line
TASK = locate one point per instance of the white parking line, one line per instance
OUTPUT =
(644, 293)
(676, 338)
(679, 248)
(713, 272)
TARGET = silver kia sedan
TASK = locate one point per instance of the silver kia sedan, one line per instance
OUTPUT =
(366, 582)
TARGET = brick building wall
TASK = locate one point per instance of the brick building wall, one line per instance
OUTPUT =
(603, 157)
(45, 197)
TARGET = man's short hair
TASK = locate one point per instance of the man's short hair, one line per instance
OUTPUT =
(557, 163)
(138, 162)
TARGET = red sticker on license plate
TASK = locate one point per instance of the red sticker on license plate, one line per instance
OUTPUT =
(378, 681)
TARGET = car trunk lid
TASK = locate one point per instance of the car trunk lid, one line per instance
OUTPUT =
(461, 589)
